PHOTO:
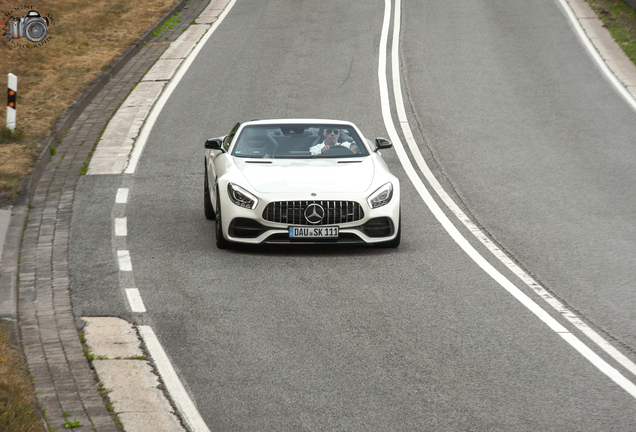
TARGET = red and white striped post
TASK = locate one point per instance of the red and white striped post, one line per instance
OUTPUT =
(12, 93)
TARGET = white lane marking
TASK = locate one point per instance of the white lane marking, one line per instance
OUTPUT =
(188, 411)
(629, 98)
(122, 196)
(135, 301)
(474, 229)
(121, 227)
(140, 143)
(601, 364)
(125, 264)
(447, 224)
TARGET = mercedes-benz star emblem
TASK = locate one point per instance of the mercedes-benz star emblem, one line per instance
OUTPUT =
(314, 213)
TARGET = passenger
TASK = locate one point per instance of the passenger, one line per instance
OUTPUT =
(331, 140)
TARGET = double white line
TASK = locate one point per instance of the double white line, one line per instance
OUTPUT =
(541, 313)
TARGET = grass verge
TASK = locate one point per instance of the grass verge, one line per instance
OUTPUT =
(620, 19)
(18, 406)
(85, 38)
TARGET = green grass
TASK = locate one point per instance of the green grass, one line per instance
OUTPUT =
(68, 424)
(168, 24)
(9, 135)
(620, 19)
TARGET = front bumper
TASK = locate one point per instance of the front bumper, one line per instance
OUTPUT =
(377, 225)
(247, 230)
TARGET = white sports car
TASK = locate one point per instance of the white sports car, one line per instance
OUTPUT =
(300, 181)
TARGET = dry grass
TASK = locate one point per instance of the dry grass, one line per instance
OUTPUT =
(18, 407)
(85, 38)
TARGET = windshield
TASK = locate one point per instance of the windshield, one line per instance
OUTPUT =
(299, 141)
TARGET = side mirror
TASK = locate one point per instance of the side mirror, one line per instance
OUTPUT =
(382, 143)
(214, 144)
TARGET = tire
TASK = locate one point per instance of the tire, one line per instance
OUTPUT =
(207, 202)
(221, 241)
(392, 244)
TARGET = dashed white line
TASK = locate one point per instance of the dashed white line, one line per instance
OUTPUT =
(135, 301)
(122, 196)
(187, 410)
(189, 414)
(125, 264)
(121, 227)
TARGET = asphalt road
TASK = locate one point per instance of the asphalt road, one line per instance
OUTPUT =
(520, 127)
(537, 143)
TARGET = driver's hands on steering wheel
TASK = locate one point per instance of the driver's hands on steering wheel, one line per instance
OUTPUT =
(353, 148)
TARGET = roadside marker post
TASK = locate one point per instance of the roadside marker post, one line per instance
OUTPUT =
(12, 94)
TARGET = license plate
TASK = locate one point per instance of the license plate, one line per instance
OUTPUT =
(313, 232)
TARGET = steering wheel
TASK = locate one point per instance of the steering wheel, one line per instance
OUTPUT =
(337, 150)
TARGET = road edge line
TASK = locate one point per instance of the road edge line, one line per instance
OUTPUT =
(149, 123)
(596, 55)
(187, 410)
(500, 255)
(462, 242)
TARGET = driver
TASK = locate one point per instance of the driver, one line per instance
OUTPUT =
(331, 140)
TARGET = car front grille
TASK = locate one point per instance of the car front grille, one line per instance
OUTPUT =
(293, 212)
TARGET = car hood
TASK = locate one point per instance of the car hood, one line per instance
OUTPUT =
(308, 175)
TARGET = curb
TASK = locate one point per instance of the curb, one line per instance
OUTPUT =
(13, 242)
(618, 68)
(9, 270)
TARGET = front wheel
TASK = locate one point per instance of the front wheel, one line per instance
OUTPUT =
(207, 202)
(221, 241)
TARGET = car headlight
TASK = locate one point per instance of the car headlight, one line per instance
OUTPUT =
(381, 196)
(241, 197)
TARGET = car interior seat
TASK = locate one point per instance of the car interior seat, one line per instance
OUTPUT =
(257, 143)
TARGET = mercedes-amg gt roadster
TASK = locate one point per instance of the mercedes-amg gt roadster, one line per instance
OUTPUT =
(300, 181)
